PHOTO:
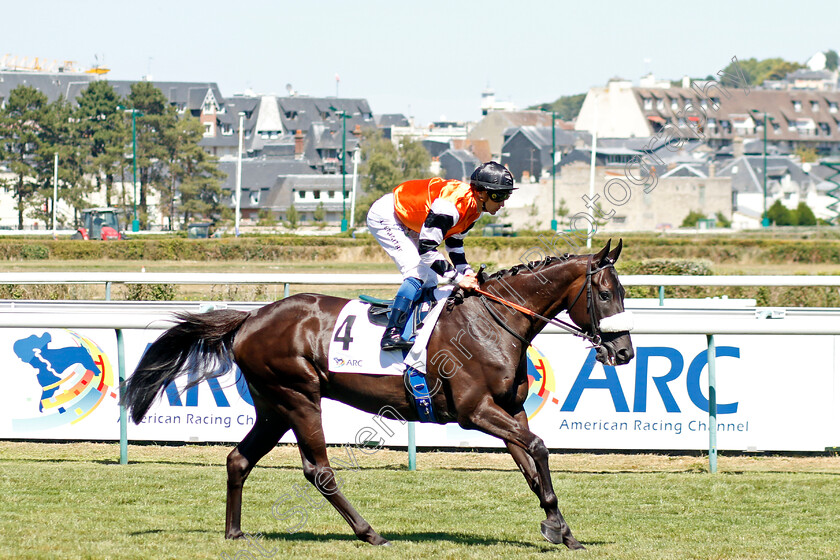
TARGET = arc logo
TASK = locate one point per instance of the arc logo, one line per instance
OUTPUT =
(75, 376)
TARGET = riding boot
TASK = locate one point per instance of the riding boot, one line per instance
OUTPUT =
(408, 293)
(392, 339)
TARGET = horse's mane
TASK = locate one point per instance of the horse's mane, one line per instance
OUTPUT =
(516, 269)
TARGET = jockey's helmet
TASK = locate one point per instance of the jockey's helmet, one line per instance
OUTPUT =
(492, 176)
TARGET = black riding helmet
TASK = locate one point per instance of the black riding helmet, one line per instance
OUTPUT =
(495, 178)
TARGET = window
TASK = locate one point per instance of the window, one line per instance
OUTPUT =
(660, 104)
(301, 195)
(317, 195)
(332, 194)
(832, 107)
(797, 105)
(815, 106)
(712, 123)
(674, 105)
(346, 194)
(825, 129)
(255, 197)
(208, 129)
(648, 103)
(776, 128)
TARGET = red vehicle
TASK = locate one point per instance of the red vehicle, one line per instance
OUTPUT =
(99, 223)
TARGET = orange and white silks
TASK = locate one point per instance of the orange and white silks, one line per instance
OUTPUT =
(413, 199)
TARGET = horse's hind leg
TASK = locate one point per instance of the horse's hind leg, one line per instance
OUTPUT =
(317, 470)
(267, 431)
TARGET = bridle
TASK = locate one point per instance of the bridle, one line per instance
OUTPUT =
(594, 337)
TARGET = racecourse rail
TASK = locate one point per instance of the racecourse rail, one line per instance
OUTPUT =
(657, 320)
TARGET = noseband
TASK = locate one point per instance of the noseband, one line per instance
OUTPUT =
(594, 337)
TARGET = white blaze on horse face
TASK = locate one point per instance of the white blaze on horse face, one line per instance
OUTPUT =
(619, 322)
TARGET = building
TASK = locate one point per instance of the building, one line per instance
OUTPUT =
(714, 114)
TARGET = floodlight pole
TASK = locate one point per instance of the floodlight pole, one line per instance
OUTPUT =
(765, 220)
(135, 224)
(343, 171)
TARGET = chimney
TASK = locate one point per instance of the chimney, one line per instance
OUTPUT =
(737, 147)
(357, 131)
(299, 144)
(686, 82)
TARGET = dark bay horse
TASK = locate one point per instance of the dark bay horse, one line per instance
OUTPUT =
(281, 350)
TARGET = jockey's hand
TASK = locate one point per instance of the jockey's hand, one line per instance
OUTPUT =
(469, 282)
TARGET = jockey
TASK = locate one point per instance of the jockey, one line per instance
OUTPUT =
(411, 222)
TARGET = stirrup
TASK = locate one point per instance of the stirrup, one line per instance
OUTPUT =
(392, 340)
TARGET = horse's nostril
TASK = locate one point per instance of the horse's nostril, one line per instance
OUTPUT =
(625, 355)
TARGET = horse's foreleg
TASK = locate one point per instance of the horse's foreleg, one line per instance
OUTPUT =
(262, 438)
(317, 470)
(531, 455)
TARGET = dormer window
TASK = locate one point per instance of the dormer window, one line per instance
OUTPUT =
(797, 105)
(648, 103)
(815, 106)
(674, 105)
(660, 104)
(832, 107)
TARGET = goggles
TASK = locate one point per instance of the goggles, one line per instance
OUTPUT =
(499, 196)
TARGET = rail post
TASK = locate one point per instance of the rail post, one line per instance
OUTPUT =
(123, 412)
(710, 338)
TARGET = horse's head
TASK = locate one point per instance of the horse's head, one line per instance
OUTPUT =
(598, 307)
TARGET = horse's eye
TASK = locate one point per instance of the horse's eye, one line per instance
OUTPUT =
(605, 296)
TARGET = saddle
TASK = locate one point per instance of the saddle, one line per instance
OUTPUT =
(380, 310)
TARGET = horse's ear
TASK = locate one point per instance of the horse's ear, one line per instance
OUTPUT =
(602, 254)
(613, 256)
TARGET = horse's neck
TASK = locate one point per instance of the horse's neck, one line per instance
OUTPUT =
(544, 289)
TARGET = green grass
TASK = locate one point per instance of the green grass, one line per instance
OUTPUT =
(74, 501)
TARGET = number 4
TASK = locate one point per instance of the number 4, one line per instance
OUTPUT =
(346, 339)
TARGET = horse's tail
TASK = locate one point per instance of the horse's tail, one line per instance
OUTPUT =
(200, 344)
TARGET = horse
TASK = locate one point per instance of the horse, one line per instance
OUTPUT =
(281, 349)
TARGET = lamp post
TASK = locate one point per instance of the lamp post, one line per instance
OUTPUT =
(239, 172)
(765, 220)
(553, 174)
(343, 116)
(135, 225)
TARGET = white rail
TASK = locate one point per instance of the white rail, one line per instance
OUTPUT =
(371, 279)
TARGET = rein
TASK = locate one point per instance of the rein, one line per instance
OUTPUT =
(595, 338)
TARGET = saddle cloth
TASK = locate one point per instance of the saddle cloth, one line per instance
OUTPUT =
(354, 345)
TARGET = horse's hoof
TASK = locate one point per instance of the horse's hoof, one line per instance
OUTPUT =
(560, 535)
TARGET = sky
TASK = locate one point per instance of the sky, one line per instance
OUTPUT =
(430, 60)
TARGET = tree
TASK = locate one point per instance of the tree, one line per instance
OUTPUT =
(104, 133)
(157, 117)
(292, 217)
(831, 60)
(265, 217)
(722, 221)
(21, 136)
(193, 174)
(806, 155)
(692, 219)
(320, 214)
(779, 215)
(60, 135)
(804, 215)
(567, 107)
(385, 166)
